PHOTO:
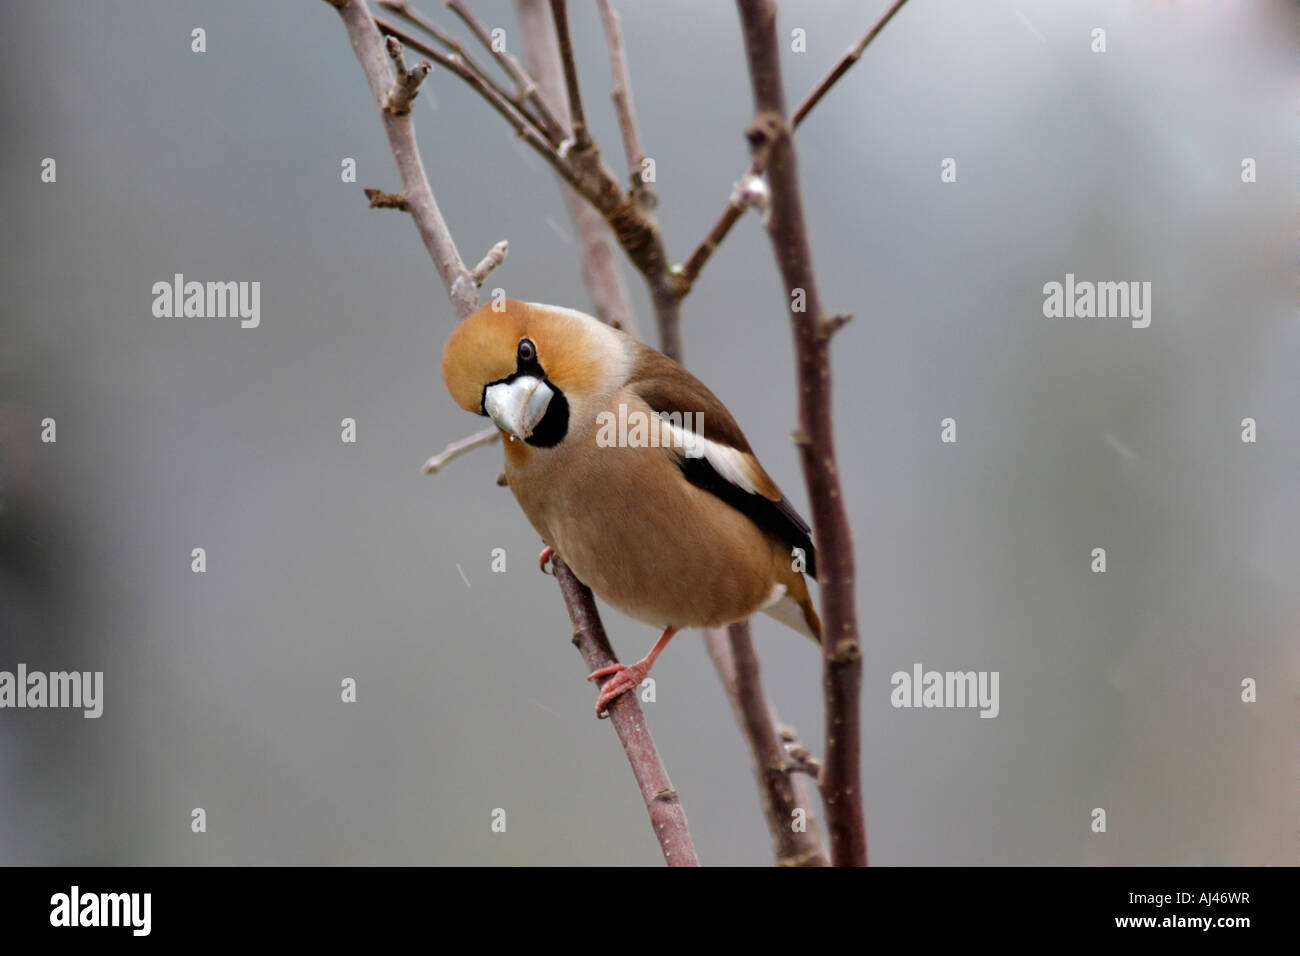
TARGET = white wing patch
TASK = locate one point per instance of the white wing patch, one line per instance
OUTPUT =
(729, 463)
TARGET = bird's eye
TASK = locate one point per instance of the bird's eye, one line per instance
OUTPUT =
(527, 350)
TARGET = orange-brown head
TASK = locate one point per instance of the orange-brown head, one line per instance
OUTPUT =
(523, 364)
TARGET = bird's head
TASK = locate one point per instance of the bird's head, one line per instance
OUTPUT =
(531, 368)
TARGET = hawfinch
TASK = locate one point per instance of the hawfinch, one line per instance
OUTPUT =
(634, 473)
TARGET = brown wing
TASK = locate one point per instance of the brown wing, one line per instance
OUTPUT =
(667, 387)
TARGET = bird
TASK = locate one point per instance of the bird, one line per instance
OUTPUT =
(634, 473)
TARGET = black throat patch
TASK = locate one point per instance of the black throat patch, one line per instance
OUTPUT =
(550, 431)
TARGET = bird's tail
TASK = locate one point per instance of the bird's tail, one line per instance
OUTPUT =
(795, 609)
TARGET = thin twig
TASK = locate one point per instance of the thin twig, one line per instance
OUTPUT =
(382, 200)
(793, 847)
(496, 255)
(625, 211)
(418, 19)
(622, 97)
(369, 46)
(833, 324)
(577, 119)
(457, 448)
(844, 65)
(666, 814)
(527, 86)
(523, 125)
(600, 271)
(801, 761)
(633, 225)
(770, 134)
(689, 271)
(403, 93)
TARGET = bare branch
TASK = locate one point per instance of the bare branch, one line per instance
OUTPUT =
(382, 200)
(666, 814)
(801, 761)
(844, 65)
(577, 119)
(732, 650)
(371, 52)
(743, 196)
(770, 135)
(629, 217)
(600, 272)
(622, 96)
(737, 203)
(689, 271)
(829, 327)
(633, 226)
(556, 130)
(496, 255)
(421, 21)
(457, 448)
(399, 99)
(523, 125)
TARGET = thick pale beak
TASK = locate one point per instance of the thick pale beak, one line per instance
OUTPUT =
(518, 406)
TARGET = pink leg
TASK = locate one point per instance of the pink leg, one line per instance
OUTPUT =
(544, 558)
(626, 677)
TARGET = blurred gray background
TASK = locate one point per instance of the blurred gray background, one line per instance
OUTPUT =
(328, 560)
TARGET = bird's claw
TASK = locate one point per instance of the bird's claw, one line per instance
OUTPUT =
(624, 678)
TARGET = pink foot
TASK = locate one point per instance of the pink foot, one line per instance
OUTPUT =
(627, 678)
(624, 679)
(544, 558)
